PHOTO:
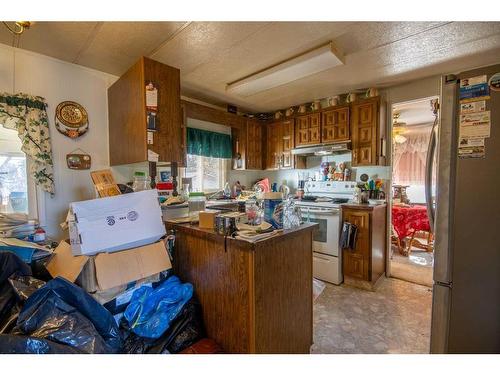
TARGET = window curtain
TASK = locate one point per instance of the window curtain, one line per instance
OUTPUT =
(206, 143)
(27, 114)
(410, 157)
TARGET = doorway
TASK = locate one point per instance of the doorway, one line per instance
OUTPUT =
(412, 242)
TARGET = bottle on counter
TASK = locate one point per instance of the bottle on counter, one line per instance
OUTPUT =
(227, 191)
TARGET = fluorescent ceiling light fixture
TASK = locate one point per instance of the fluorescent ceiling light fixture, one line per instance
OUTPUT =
(306, 64)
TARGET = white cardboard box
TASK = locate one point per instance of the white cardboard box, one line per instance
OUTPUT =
(115, 223)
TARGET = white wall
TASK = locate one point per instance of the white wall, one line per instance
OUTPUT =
(57, 81)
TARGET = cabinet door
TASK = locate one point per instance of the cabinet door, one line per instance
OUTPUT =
(314, 128)
(273, 146)
(302, 130)
(353, 265)
(335, 125)
(365, 130)
(254, 145)
(287, 142)
(356, 262)
(314, 135)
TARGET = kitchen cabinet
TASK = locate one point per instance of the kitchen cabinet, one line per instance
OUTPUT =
(335, 125)
(128, 136)
(368, 132)
(273, 131)
(280, 141)
(256, 296)
(254, 144)
(307, 129)
(363, 266)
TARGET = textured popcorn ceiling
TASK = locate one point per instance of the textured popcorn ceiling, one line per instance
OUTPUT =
(211, 54)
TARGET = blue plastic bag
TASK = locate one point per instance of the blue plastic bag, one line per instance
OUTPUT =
(151, 311)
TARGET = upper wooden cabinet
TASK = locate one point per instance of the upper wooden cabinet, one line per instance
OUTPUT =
(335, 125)
(254, 144)
(273, 131)
(307, 129)
(127, 115)
(367, 132)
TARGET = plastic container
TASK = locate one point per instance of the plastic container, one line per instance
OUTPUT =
(196, 202)
(273, 209)
(140, 182)
(175, 211)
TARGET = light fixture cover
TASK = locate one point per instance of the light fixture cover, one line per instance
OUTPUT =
(306, 64)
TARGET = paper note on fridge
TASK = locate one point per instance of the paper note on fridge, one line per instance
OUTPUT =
(473, 107)
(475, 125)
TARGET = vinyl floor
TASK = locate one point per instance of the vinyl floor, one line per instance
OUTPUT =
(393, 319)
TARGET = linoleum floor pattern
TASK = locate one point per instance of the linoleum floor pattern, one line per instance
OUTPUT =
(394, 319)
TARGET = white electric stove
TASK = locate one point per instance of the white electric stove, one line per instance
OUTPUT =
(321, 204)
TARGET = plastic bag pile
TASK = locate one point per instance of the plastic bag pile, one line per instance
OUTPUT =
(56, 316)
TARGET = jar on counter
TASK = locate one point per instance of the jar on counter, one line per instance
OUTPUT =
(196, 202)
(140, 182)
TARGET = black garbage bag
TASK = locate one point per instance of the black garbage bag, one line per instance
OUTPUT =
(25, 286)
(64, 313)
(186, 329)
(14, 344)
(10, 265)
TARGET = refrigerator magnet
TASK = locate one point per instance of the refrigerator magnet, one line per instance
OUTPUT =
(494, 82)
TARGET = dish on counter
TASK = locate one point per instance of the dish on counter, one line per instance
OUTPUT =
(376, 201)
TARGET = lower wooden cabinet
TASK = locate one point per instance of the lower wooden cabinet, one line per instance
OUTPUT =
(364, 265)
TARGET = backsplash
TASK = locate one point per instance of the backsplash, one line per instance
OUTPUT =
(247, 178)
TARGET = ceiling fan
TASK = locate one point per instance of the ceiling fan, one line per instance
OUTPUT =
(398, 129)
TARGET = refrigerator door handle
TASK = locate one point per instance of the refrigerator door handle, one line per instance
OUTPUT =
(429, 164)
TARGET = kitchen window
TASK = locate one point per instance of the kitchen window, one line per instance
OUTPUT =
(17, 189)
(208, 157)
(207, 173)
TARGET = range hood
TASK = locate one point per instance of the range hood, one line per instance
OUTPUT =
(324, 149)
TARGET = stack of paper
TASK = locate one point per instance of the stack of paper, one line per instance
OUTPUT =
(27, 251)
(253, 236)
(16, 225)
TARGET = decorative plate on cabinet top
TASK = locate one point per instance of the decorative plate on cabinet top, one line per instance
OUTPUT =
(71, 119)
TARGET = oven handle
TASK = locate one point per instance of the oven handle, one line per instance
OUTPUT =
(333, 211)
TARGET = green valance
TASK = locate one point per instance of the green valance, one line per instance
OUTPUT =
(28, 116)
(206, 143)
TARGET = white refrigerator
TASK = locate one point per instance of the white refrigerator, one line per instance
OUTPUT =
(466, 219)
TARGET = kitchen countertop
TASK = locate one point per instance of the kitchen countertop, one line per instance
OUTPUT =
(365, 206)
(211, 233)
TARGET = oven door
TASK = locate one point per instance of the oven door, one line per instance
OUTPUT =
(326, 237)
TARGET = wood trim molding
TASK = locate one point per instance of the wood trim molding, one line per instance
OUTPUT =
(201, 112)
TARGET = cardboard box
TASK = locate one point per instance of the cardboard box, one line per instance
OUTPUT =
(109, 270)
(207, 219)
(115, 223)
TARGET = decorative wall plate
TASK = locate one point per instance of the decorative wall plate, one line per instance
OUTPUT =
(78, 161)
(71, 119)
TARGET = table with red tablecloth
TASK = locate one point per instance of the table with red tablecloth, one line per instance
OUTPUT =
(407, 220)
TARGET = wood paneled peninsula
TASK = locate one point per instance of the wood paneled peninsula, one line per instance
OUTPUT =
(256, 297)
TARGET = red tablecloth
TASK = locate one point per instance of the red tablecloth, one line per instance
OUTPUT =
(406, 220)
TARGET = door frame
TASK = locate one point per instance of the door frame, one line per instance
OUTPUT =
(389, 193)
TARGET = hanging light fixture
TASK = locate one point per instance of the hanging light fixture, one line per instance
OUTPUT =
(18, 28)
